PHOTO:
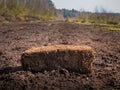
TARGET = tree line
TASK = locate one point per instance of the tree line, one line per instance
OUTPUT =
(27, 8)
(98, 18)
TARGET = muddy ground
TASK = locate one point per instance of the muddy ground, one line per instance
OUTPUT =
(16, 38)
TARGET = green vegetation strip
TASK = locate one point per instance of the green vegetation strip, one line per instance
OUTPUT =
(105, 26)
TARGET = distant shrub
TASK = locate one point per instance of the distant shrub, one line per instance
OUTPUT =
(66, 20)
(112, 22)
(83, 21)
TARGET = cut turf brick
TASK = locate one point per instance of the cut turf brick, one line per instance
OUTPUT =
(73, 58)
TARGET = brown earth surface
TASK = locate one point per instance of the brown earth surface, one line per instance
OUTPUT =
(16, 38)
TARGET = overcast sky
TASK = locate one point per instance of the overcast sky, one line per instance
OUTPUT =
(88, 5)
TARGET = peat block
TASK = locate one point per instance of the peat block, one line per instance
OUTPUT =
(73, 58)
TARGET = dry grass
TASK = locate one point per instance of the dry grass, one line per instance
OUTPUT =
(57, 47)
(72, 58)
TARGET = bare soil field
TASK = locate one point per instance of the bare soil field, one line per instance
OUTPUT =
(16, 38)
